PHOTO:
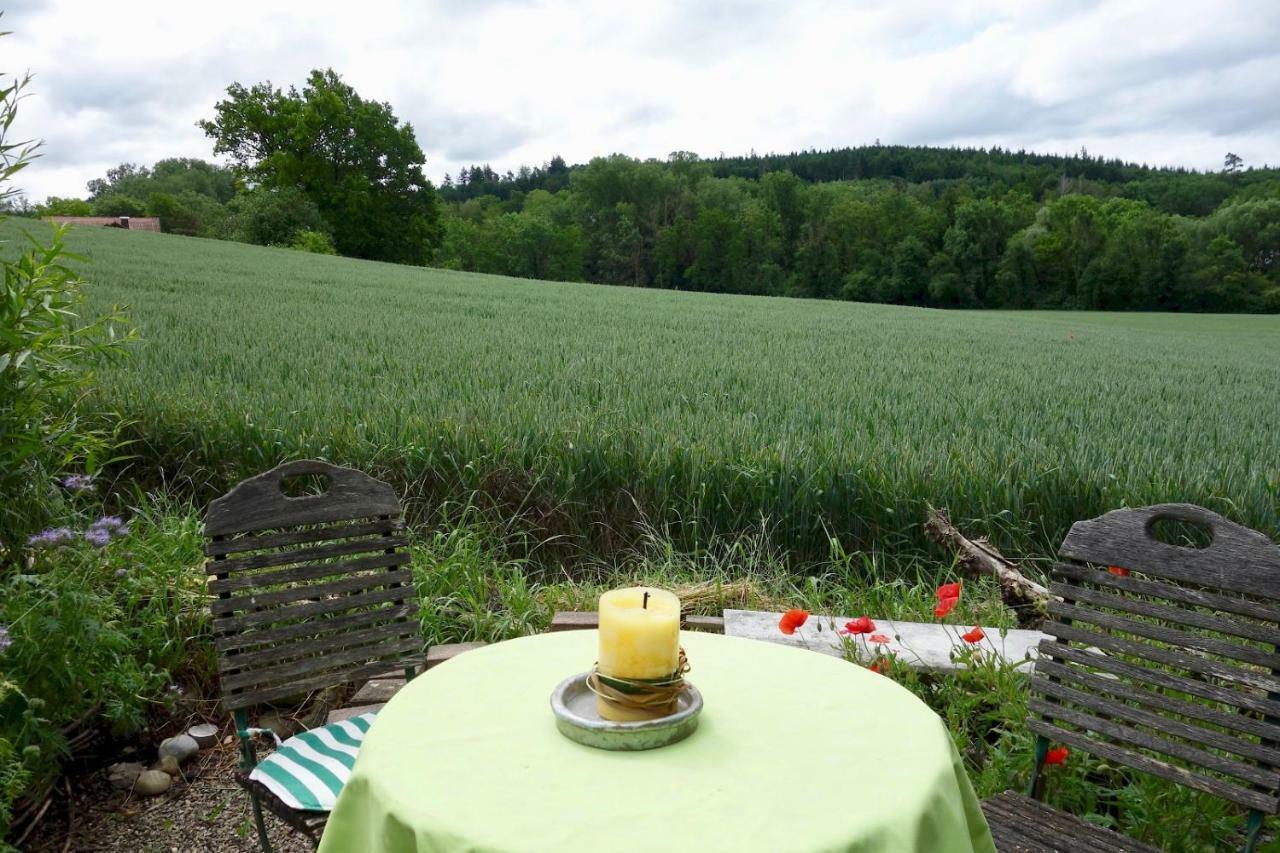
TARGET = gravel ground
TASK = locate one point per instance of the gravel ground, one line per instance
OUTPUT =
(209, 813)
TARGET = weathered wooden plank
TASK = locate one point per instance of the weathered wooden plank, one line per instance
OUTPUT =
(229, 624)
(259, 504)
(1119, 689)
(1233, 697)
(1020, 827)
(1138, 761)
(327, 551)
(1243, 771)
(335, 660)
(571, 620)
(707, 624)
(268, 541)
(1176, 615)
(1159, 633)
(442, 652)
(1265, 611)
(232, 701)
(1034, 826)
(920, 645)
(315, 627)
(1170, 657)
(255, 601)
(312, 645)
(312, 571)
(1143, 717)
(1238, 560)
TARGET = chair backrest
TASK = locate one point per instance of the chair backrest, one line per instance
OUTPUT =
(311, 591)
(1167, 662)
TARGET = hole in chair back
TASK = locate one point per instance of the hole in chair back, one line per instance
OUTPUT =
(1184, 534)
(305, 485)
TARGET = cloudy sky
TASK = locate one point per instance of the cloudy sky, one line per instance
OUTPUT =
(510, 82)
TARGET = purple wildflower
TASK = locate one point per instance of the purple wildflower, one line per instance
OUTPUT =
(97, 536)
(109, 522)
(5, 642)
(78, 483)
(51, 537)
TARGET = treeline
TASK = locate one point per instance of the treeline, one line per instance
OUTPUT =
(200, 199)
(317, 168)
(959, 228)
(913, 226)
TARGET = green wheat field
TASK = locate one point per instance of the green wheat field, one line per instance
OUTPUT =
(582, 410)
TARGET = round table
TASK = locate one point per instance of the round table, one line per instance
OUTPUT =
(794, 751)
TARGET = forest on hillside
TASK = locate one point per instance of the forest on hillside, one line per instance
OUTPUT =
(321, 169)
(911, 226)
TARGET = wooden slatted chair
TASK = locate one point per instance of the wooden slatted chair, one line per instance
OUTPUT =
(309, 592)
(1163, 660)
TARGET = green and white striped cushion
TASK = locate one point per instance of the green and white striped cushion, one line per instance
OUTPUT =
(308, 770)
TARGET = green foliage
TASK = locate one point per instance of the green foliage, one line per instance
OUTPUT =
(189, 213)
(272, 217)
(101, 634)
(119, 205)
(174, 176)
(316, 242)
(55, 206)
(47, 356)
(998, 231)
(353, 158)
(579, 409)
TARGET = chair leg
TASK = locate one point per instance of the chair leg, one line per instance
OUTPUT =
(1254, 828)
(1042, 749)
(261, 822)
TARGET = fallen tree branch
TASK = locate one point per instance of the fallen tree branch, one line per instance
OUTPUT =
(978, 557)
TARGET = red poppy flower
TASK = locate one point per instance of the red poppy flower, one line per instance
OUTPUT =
(974, 636)
(792, 619)
(878, 638)
(949, 590)
(861, 625)
(944, 606)
(879, 665)
(1057, 755)
(1118, 571)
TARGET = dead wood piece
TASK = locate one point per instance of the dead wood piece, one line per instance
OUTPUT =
(978, 557)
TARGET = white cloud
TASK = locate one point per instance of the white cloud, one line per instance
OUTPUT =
(512, 82)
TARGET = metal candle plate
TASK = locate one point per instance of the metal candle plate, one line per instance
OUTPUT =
(577, 719)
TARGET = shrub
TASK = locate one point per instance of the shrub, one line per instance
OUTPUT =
(272, 217)
(55, 206)
(119, 205)
(316, 242)
(188, 213)
(102, 622)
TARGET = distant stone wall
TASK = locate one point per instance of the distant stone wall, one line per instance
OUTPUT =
(132, 223)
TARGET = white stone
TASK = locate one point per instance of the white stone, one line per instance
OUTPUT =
(181, 747)
(152, 782)
(205, 734)
(168, 764)
(123, 774)
(920, 645)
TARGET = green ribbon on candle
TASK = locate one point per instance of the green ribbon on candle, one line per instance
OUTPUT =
(640, 694)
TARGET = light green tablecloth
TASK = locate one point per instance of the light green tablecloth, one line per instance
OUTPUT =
(795, 751)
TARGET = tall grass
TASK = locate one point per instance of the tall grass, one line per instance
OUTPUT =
(580, 410)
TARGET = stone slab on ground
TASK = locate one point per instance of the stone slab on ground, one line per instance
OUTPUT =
(354, 711)
(921, 645)
(378, 690)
